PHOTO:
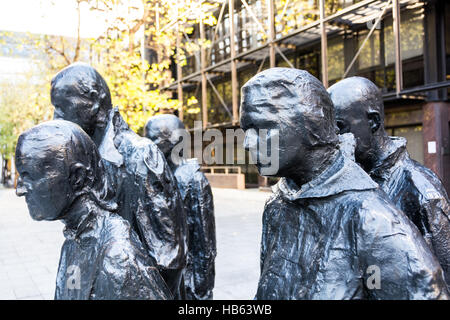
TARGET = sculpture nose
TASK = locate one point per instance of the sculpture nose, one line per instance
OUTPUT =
(21, 190)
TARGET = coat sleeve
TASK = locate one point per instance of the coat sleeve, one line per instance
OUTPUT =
(160, 215)
(394, 260)
(126, 272)
(269, 212)
(205, 213)
(435, 208)
(203, 237)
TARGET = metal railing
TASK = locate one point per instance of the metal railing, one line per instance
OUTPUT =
(225, 170)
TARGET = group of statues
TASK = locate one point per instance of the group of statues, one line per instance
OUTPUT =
(352, 217)
(331, 230)
(131, 231)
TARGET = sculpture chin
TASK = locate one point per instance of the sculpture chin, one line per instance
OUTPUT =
(35, 214)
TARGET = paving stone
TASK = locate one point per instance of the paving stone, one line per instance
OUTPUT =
(27, 291)
(7, 294)
(29, 250)
(37, 297)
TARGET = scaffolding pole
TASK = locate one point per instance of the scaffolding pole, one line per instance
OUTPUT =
(397, 46)
(234, 81)
(323, 43)
(204, 80)
(179, 76)
(272, 34)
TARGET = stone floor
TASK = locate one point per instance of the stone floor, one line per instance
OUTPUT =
(29, 250)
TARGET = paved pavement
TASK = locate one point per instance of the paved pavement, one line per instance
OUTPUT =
(29, 250)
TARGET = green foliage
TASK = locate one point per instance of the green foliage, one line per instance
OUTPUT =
(22, 106)
(135, 84)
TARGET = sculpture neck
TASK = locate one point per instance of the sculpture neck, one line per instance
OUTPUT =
(323, 158)
(78, 212)
(98, 135)
(383, 147)
(104, 117)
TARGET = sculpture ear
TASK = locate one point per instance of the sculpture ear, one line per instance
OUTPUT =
(93, 94)
(374, 120)
(77, 176)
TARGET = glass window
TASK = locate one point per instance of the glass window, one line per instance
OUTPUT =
(411, 35)
(415, 141)
(310, 62)
(191, 107)
(335, 58)
(370, 53)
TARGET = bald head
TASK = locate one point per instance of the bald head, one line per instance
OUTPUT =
(359, 109)
(58, 162)
(80, 94)
(164, 130)
(293, 97)
(296, 105)
(356, 92)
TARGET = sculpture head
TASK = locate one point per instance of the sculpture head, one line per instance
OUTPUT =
(80, 94)
(164, 130)
(294, 103)
(359, 109)
(58, 163)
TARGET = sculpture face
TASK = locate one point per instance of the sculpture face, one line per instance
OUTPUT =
(359, 110)
(296, 110)
(43, 181)
(261, 109)
(72, 105)
(352, 118)
(81, 95)
(165, 131)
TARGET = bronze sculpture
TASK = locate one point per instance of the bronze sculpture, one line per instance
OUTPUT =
(144, 186)
(413, 188)
(62, 178)
(164, 130)
(328, 230)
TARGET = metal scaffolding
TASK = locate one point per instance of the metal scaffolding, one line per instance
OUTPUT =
(277, 45)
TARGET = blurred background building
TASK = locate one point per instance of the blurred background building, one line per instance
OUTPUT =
(401, 45)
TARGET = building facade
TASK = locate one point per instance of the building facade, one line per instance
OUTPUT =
(401, 45)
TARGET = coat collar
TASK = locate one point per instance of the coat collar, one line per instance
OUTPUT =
(395, 154)
(86, 231)
(342, 175)
(107, 148)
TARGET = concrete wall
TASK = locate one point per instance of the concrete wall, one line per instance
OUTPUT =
(231, 180)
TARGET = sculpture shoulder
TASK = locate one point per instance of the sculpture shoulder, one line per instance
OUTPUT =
(120, 241)
(141, 154)
(126, 269)
(386, 238)
(376, 210)
(378, 220)
(275, 202)
(425, 181)
(190, 174)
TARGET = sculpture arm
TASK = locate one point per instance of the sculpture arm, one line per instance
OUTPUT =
(160, 214)
(389, 243)
(436, 212)
(127, 272)
(205, 214)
